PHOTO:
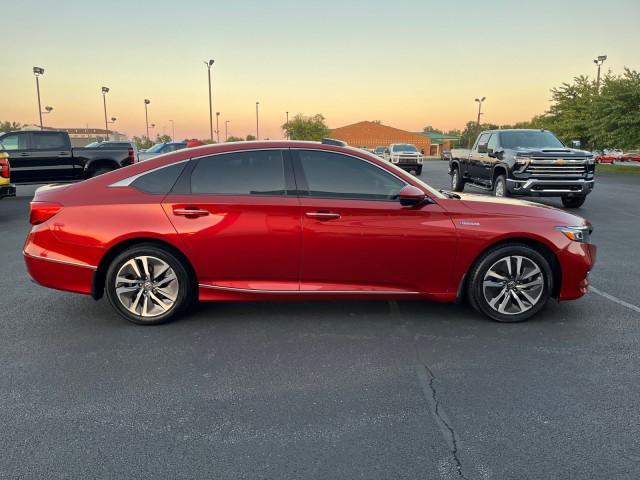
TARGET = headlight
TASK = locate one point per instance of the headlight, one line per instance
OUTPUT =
(395, 159)
(420, 159)
(591, 160)
(577, 234)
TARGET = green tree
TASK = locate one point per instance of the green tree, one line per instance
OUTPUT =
(306, 128)
(615, 121)
(234, 139)
(9, 126)
(472, 130)
(430, 129)
(142, 142)
(250, 137)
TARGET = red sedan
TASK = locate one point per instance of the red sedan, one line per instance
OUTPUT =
(297, 220)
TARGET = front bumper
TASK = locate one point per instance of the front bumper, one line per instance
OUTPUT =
(7, 191)
(539, 187)
(576, 261)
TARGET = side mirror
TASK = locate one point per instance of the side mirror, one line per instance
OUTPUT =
(482, 148)
(576, 143)
(411, 196)
(386, 150)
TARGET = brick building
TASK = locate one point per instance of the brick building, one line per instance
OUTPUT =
(372, 135)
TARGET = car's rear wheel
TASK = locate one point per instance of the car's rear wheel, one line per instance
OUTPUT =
(573, 202)
(500, 187)
(510, 283)
(148, 285)
(457, 184)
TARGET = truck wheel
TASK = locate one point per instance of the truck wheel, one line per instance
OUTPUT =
(98, 171)
(457, 184)
(419, 171)
(500, 187)
(510, 283)
(573, 202)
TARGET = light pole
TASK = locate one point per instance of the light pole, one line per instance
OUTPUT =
(480, 100)
(226, 130)
(47, 109)
(209, 64)
(287, 125)
(599, 61)
(146, 115)
(37, 71)
(218, 127)
(105, 90)
(173, 131)
(257, 127)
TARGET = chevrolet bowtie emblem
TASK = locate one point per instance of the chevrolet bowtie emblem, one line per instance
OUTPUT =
(560, 161)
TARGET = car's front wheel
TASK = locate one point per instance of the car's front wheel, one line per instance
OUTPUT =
(500, 187)
(457, 183)
(148, 285)
(573, 202)
(510, 283)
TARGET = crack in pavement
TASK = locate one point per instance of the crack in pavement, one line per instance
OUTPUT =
(426, 379)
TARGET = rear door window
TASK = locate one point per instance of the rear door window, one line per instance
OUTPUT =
(257, 172)
(49, 141)
(14, 141)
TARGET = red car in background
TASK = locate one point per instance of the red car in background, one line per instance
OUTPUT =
(297, 221)
(631, 157)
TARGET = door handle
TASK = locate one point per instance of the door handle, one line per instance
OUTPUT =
(25, 154)
(323, 216)
(190, 212)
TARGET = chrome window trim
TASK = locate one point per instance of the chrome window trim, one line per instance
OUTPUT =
(63, 262)
(348, 292)
(126, 182)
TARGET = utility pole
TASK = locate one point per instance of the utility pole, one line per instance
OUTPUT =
(209, 64)
(480, 100)
(218, 127)
(37, 71)
(287, 125)
(226, 130)
(257, 126)
(146, 115)
(173, 131)
(105, 90)
(599, 61)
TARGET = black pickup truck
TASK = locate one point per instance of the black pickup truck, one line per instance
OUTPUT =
(47, 156)
(524, 163)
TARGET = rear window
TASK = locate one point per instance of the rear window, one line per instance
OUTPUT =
(49, 141)
(159, 181)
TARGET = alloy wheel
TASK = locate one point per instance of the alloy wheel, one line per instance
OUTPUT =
(454, 179)
(513, 285)
(147, 286)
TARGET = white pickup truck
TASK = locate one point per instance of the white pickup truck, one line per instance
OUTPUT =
(406, 156)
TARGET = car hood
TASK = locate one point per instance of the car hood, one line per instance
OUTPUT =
(513, 207)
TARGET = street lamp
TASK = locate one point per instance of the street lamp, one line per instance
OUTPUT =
(480, 100)
(146, 115)
(226, 130)
(599, 61)
(209, 64)
(105, 90)
(37, 71)
(257, 128)
(173, 131)
(217, 127)
(287, 125)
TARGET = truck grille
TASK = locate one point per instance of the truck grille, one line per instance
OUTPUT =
(409, 160)
(561, 166)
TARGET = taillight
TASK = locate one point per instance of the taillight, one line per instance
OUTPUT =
(132, 157)
(4, 165)
(43, 211)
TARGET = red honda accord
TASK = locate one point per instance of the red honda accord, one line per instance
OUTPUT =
(297, 220)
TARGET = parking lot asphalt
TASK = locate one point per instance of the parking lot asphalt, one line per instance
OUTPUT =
(326, 389)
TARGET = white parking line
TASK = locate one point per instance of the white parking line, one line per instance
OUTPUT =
(616, 300)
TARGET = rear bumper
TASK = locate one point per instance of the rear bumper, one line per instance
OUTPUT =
(59, 274)
(7, 191)
(537, 187)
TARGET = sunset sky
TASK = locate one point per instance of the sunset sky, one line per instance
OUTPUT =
(406, 63)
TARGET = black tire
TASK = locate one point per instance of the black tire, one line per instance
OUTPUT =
(186, 286)
(419, 171)
(457, 183)
(573, 202)
(98, 171)
(500, 187)
(495, 259)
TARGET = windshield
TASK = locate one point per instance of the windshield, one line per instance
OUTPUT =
(156, 148)
(404, 147)
(529, 139)
(92, 145)
(379, 150)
